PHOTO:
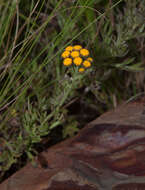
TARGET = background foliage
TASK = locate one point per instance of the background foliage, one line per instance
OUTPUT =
(43, 102)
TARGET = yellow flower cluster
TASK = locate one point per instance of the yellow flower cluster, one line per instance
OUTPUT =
(78, 56)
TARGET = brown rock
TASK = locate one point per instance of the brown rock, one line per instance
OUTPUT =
(108, 154)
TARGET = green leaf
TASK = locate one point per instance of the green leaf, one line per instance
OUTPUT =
(71, 129)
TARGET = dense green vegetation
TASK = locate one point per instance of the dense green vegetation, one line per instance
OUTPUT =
(38, 94)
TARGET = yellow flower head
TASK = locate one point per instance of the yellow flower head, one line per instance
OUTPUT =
(77, 61)
(77, 55)
(69, 48)
(77, 47)
(81, 70)
(74, 54)
(65, 54)
(67, 61)
(86, 63)
(84, 52)
(90, 59)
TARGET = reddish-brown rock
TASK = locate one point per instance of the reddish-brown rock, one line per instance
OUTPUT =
(108, 154)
